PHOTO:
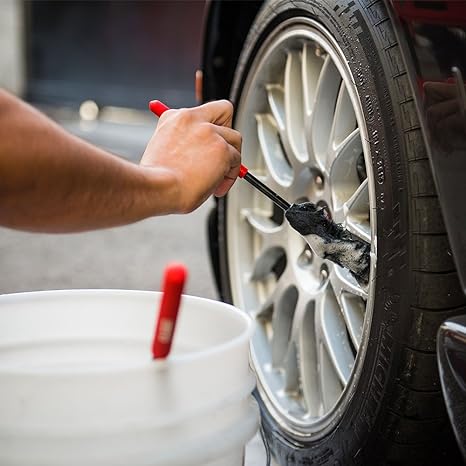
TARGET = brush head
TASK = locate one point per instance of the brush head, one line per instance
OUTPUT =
(330, 240)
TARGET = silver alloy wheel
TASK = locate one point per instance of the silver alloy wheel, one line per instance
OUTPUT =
(304, 135)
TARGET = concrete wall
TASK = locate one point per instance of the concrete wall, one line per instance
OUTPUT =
(12, 66)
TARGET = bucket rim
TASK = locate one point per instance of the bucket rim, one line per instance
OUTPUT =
(149, 364)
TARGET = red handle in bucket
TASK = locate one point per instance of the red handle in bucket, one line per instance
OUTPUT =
(173, 283)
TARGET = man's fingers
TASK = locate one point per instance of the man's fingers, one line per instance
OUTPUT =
(208, 127)
(231, 136)
(232, 140)
(224, 187)
(229, 179)
(232, 174)
(218, 112)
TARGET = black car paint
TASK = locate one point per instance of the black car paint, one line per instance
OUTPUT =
(432, 35)
(433, 42)
(226, 27)
(451, 352)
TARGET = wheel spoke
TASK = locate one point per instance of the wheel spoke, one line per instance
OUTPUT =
(294, 110)
(274, 295)
(351, 298)
(276, 98)
(330, 385)
(265, 262)
(350, 146)
(274, 157)
(357, 212)
(322, 113)
(301, 363)
(358, 203)
(261, 222)
(271, 244)
(312, 66)
(343, 174)
(342, 280)
(354, 309)
(344, 120)
(308, 360)
(282, 319)
(334, 336)
(291, 370)
(269, 181)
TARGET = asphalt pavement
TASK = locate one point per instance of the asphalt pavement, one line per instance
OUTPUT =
(129, 257)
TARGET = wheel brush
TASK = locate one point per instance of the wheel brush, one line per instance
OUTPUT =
(326, 238)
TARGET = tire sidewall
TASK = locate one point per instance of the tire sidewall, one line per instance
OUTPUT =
(360, 427)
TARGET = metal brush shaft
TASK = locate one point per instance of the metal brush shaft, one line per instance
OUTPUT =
(279, 201)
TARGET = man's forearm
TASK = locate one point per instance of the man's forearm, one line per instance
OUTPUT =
(53, 181)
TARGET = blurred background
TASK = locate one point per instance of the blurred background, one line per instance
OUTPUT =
(93, 66)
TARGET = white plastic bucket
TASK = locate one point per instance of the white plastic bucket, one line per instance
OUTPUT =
(78, 385)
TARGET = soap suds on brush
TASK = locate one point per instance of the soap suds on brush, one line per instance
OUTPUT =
(330, 240)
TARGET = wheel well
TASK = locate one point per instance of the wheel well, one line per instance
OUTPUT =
(227, 26)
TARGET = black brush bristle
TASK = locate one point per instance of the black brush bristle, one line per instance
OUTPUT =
(331, 240)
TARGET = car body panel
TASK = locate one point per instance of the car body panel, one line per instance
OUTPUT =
(451, 353)
(226, 28)
(433, 40)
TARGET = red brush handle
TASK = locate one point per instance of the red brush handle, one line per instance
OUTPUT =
(173, 283)
(159, 108)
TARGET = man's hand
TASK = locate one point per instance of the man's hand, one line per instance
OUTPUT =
(198, 150)
(52, 181)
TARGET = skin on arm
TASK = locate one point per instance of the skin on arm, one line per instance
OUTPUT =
(52, 181)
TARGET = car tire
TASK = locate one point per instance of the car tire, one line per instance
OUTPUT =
(395, 412)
